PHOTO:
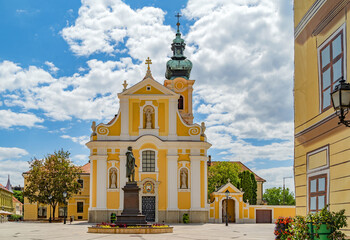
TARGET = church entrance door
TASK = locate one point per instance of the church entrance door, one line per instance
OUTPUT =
(149, 207)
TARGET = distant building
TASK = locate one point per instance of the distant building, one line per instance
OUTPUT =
(6, 203)
(77, 206)
(17, 206)
(321, 145)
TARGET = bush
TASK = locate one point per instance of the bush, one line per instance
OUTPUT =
(282, 230)
(185, 218)
(15, 217)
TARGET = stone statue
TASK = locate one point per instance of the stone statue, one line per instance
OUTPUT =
(203, 127)
(148, 118)
(93, 128)
(113, 179)
(130, 165)
(183, 179)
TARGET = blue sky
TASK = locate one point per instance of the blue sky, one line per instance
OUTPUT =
(62, 64)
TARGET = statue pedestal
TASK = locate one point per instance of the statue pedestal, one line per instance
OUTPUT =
(131, 213)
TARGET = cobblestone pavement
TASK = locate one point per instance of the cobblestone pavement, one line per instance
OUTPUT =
(78, 230)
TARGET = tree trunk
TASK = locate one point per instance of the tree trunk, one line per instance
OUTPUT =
(53, 211)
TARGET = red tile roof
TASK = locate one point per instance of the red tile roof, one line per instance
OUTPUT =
(86, 168)
(16, 200)
(3, 187)
(243, 168)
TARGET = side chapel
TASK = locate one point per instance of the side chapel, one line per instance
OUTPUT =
(170, 150)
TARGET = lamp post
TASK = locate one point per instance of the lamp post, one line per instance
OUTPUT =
(341, 101)
(50, 197)
(227, 193)
(65, 207)
(284, 196)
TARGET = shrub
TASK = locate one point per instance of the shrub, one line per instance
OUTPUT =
(185, 218)
(282, 230)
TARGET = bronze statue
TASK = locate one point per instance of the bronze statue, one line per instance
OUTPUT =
(130, 165)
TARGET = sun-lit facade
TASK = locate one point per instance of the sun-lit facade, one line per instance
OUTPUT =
(321, 163)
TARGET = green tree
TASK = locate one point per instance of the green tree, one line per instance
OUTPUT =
(274, 196)
(19, 195)
(249, 186)
(218, 174)
(52, 176)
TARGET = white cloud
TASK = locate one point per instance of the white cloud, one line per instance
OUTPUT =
(80, 159)
(9, 119)
(52, 67)
(11, 153)
(15, 170)
(82, 140)
(13, 77)
(274, 177)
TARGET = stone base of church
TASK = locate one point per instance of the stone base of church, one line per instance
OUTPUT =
(98, 216)
(166, 216)
(175, 216)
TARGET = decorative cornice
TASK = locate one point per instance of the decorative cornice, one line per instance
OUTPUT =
(316, 125)
(340, 6)
(308, 16)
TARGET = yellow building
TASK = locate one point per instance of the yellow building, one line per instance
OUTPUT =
(77, 206)
(6, 203)
(241, 212)
(321, 163)
(170, 151)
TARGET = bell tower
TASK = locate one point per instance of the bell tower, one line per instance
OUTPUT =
(178, 70)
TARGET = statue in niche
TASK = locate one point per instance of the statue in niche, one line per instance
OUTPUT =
(130, 165)
(113, 178)
(148, 114)
(183, 178)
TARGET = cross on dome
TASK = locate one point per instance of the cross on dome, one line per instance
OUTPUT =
(148, 62)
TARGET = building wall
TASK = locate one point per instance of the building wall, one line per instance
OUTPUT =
(321, 145)
(6, 203)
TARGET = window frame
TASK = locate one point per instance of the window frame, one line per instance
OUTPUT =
(82, 210)
(341, 57)
(318, 193)
(155, 160)
(82, 184)
(180, 102)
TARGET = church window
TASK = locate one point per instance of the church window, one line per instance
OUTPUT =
(331, 66)
(148, 88)
(80, 207)
(148, 161)
(180, 102)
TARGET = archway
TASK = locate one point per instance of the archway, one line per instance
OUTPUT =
(230, 210)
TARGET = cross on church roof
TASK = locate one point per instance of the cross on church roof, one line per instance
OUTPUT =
(148, 62)
(178, 20)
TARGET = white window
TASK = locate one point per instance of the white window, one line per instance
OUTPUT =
(148, 161)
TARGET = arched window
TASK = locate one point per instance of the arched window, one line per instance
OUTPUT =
(180, 104)
(148, 161)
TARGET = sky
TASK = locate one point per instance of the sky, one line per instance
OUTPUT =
(62, 64)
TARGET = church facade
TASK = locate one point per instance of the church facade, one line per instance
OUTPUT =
(170, 150)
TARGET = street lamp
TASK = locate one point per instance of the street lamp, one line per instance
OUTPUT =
(227, 193)
(341, 101)
(65, 207)
(50, 197)
(284, 188)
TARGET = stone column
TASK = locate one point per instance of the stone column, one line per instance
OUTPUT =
(195, 182)
(101, 189)
(172, 118)
(124, 110)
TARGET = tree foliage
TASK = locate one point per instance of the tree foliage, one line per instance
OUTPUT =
(19, 195)
(52, 176)
(274, 196)
(249, 186)
(218, 174)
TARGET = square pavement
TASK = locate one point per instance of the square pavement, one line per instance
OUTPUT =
(78, 230)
